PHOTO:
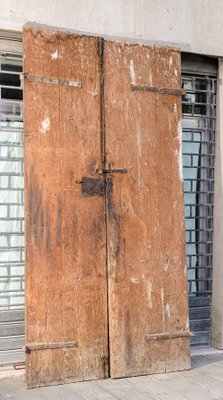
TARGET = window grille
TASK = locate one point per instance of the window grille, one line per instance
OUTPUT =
(199, 116)
(12, 257)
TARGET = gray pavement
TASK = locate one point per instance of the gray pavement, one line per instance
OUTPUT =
(203, 382)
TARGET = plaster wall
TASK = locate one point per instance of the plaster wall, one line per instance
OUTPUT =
(192, 25)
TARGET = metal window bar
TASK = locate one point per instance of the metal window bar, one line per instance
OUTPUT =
(11, 183)
(199, 115)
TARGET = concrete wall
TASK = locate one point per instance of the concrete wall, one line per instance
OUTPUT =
(193, 25)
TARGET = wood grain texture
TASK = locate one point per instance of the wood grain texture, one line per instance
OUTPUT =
(68, 279)
(146, 236)
(66, 295)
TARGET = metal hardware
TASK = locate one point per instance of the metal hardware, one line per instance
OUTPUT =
(102, 101)
(19, 365)
(198, 143)
(199, 111)
(95, 187)
(51, 81)
(102, 171)
(168, 335)
(159, 90)
(11, 144)
(49, 346)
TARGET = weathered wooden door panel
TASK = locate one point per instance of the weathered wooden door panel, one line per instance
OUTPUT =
(66, 308)
(89, 111)
(171, 210)
(148, 316)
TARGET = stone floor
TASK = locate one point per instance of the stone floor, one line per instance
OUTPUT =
(203, 382)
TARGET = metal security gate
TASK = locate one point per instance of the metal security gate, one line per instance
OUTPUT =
(11, 202)
(199, 114)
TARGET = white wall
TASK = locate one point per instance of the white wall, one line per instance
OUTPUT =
(193, 25)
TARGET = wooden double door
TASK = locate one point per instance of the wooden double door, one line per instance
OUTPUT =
(106, 285)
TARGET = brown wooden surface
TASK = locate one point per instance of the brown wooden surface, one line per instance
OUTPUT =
(66, 238)
(66, 298)
(146, 236)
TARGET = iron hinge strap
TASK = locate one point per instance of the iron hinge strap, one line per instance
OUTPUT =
(159, 90)
(51, 81)
(49, 346)
(101, 171)
(168, 335)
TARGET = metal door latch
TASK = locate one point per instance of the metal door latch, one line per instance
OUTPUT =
(95, 187)
(102, 171)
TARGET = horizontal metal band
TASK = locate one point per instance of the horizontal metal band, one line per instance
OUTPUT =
(19, 365)
(52, 81)
(49, 346)
(168, 335)
(102, 171)
(159, 90)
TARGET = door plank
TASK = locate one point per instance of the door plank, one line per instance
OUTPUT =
(146, 238)
(171, 207)
(66, 295)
